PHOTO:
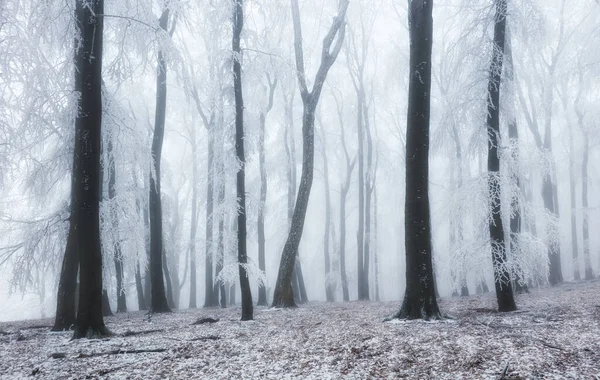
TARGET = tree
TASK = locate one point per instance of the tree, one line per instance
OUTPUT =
(502, 277)
(158, 302)
(345, 187)
(262, 291)
(238, 24)
(65, 297)
(118, 254)
(419, 298)
(283, 296)
(86, 181)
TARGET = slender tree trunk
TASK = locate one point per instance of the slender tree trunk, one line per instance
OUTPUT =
(209, 297)
(220, 243)
(572, 189)
(361, 199)
(375, 250)
(329, 296)
(194, 223)
(262, 290)
(66, 297)
(238, 23)
(159, 298)
(419, 298)
(283, 295)
(368, 182)
(139, 288)
(168, 282)
(504, 291)
(87, 181)
(118, 255)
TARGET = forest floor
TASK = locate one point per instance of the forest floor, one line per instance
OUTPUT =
(555, 334)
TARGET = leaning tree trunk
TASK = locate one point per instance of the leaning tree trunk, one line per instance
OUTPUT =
(419, 298)
(283, 295)
(86, 169)
(502, 276)
(118, 254)
(65, 299)
(238, 23)
(158, 302)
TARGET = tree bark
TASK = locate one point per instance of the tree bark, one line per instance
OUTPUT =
(283, 295)
(502, 277)
(375, 250)
(238, 23)
(66, 296)
(86, 182)
(369, 183)
(419, 298)
(220, 243)
(168, 281)
(360, 275)
(158, 302)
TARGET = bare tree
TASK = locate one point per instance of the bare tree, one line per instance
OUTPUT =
(283, 296)
(419, 298)
(238, 24)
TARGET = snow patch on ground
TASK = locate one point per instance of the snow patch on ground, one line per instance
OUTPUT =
(554, 334)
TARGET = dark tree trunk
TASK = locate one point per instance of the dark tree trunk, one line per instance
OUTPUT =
(238, 23)
(262, 290)
(158, 302)
(301, 286)
(118, 255)
(283, 295)
(106, 311)
(66, 297)
(419, 298)
(232, 295)
(360, 275)
(210, 299)
(87, 182)
(168, 282)
(502, 277)
(147, 282)
(139, 288)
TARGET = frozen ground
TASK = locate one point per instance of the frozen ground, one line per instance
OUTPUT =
(554, 335)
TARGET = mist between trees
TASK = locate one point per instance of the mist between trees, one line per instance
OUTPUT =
(162, 155)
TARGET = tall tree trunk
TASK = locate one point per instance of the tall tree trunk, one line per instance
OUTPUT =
(66, 297)
(238, 23)
(194, 223)
(369, 181)
(504, 291)
(139, 287)
(209, 297)
(375, 253)
(262, 290)
(329, 296)
(283, 295)
(118, 255)
(220, 285)
(158, 302)
(573, 196)
(87, 182)
(419, 298)
(360, 275)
